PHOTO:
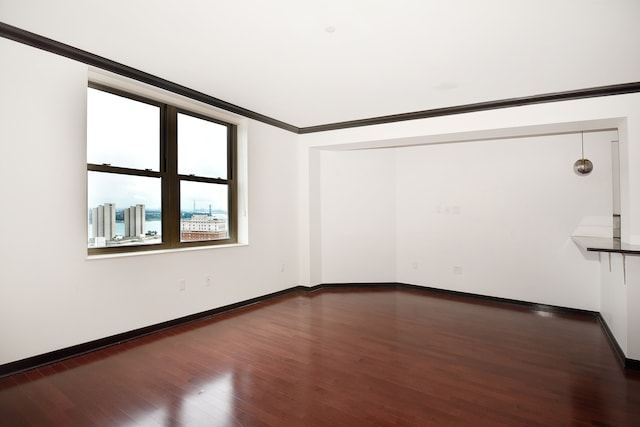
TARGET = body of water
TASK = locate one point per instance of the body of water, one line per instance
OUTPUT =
(148, 226)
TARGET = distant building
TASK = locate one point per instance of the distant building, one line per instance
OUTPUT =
(203, 227)
(103, 222)
(134, 218)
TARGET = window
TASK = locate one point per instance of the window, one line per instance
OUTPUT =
(158, 176)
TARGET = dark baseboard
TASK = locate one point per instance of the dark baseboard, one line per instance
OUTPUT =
(459, 294)
(506, 301)
(632, 364)
(321, 286)
(617, 350)
(80, 349)
(623, 360)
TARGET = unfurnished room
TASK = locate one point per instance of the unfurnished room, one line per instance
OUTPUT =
(332, 213)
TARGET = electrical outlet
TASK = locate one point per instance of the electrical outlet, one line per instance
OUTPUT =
(207, 280)
(282, 268)
(414, 265)
(182, 284)
(457, 269)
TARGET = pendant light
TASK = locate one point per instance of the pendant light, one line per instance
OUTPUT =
(583, 166)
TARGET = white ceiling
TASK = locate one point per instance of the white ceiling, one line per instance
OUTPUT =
(280, 58)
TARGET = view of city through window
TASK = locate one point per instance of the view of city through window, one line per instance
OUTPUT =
(111, 226)
(126, 181)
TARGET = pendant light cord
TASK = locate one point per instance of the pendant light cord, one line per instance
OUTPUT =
(582, 145)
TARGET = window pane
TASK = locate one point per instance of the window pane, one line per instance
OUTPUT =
(123, 210)
(202, 147)
(122, 132)
(203, 211)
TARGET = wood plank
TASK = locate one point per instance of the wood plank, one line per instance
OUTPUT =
(336, 357)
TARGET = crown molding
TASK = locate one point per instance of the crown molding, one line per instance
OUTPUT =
(31, 39)
(617, 89)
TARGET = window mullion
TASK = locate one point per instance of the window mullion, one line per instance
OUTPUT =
(172, 182)
(232, 219)
(202, 188)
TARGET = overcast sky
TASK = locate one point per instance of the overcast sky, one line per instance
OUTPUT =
(123, 132)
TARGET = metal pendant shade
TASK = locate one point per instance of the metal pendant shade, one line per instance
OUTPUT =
(583, 166)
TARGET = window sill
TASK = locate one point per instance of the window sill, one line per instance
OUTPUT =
(163, 251)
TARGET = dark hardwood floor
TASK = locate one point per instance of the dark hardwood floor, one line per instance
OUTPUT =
(367, 357)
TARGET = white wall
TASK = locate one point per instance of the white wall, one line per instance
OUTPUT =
(557, 117)
(613, 304)
(612, 112)
(486, 217)
(632, 286)
(357, 198)
(51, 295)
(495, 217)
(620, 300)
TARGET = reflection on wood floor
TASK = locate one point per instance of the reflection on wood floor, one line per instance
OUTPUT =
(353, 357)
